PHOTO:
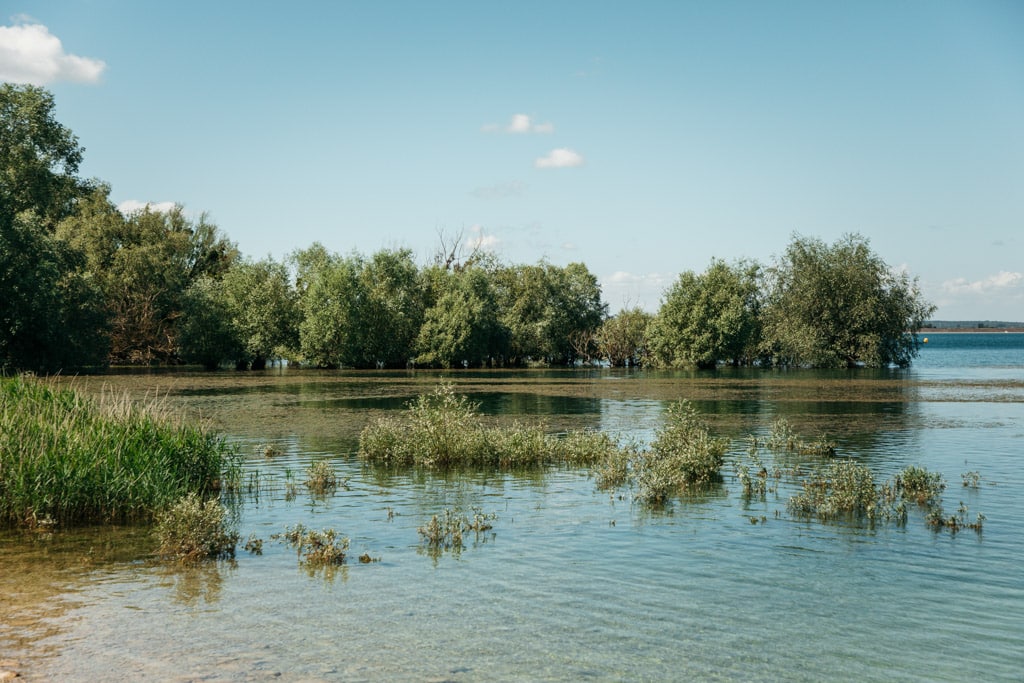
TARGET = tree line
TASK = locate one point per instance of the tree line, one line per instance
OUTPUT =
(82, 284)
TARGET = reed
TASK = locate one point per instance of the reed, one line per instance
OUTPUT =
(69, 459)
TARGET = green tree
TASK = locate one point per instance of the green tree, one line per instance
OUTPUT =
(51, 316)
(39, 157)
(841, 306)
(329, 291)
(622, 339)
(708, 318)
(207, 334)
(263, 308)
(546, 308)
(462, 325)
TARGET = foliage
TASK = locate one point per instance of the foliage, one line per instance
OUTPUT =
(74, 460)
(316, 548)
(844, 488)
(192, 530)
(442, 429)
(320, 477)
(919, 484)
(683, 455)
(622, 339)
(206, 334)
(52, 316)
(263, 310)
(709, 318)
(840, 306)
(462, 326)
(783, 438)
(445, 532)
(39, 157)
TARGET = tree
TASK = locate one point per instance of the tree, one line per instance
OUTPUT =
(39, 157)
(263, 309)
(51, 317)
(462, 325)
(545, 307)
(708, 318)
(841, 306)
(622, 339)
(329, 290)
(207, 334)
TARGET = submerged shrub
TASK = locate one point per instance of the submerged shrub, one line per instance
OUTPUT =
(783, 438)
(442, 430)
(920, 485)
(843, 489)
(316, 548)
(320, 477)
(937, 519)
(76, 460)
(445, 532)
(193, 530)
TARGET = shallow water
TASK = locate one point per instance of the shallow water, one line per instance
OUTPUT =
(570, 583)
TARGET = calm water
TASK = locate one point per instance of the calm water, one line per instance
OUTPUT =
(571, 583)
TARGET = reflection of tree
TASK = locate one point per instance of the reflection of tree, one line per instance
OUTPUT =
(192, 584)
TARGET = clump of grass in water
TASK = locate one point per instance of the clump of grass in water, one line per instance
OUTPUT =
(783, 438)
(316, 548)
(917, 483)
(75, 460)
(843, 489)
(193, 530)
(442, 429)
(320, 477)
(937, 519)
(445, 532)
(761, 482)
(971, 479)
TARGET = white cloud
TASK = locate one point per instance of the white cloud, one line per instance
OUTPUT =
(999, 282)
(482, 241)
(513, 188)
(622, 289)
(520, 123)
(29, 53)
(559, 158)
(130, 206)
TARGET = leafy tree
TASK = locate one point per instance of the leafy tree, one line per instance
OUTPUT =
(392, 311)
(51, 317)
(463, 323)
(39, 157)
(708, 318)
(841, 306)
(207, 334)
(263, 309)
(546, 307)
(622, 339)
(329, 290)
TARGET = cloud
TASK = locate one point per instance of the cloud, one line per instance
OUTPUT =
(29, 53)
(622, 289)
(479, 240)
(559, 158)
(513, 188)
(999, 282)
(130, 206)
(520, 123)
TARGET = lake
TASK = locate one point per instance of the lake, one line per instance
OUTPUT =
(571, 583)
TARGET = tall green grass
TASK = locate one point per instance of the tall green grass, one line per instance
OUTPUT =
(69, 459)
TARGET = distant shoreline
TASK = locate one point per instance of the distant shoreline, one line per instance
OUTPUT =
(960, 330)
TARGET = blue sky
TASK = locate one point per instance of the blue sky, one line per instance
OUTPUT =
(642, 138)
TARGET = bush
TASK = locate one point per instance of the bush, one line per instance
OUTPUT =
(844, 488)
(193, 530)
(316, 548)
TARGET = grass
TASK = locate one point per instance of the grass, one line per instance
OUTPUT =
(67, 459)
(316, 549)
(442, 430)
(192, 530)
(445, 532)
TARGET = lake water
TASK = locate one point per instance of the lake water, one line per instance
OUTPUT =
(571, 583)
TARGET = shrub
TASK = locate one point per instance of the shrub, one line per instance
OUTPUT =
(919, 484)
(445, 532)
(316, 548)
(320, 477)
(193, 530)
(844, 488)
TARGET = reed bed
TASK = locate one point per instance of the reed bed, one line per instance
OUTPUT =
(69, 459)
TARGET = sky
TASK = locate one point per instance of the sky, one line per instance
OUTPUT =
(643, 139)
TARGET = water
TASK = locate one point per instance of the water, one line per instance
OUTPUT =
(571, 583)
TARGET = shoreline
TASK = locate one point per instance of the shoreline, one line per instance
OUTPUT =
(962, 330)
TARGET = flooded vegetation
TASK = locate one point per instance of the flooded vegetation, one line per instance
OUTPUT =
(818, 491)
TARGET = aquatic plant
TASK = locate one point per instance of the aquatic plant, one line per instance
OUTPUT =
(445, 532)
(320, 477)
(77, 460)
(843, 489)
(753, 475)
(937, 519)
(315, 548)
(782, 437)
(442, 429)
(920, 485)
(971, 479)
(254, 545)
(193, 529)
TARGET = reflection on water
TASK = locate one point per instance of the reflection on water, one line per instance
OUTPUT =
(571, 583)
